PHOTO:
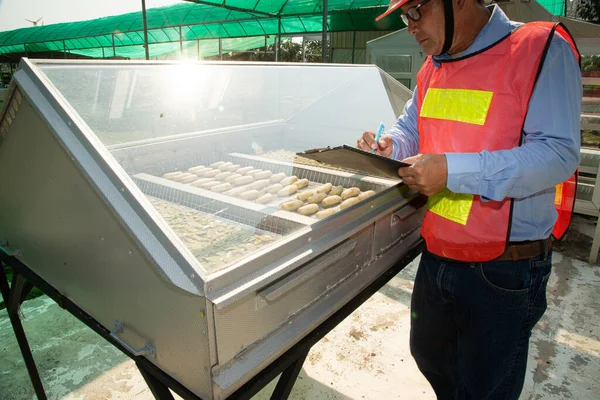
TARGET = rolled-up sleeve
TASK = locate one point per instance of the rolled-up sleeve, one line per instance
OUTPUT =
(404, 133)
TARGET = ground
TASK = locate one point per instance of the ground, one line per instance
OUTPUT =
(365, 357)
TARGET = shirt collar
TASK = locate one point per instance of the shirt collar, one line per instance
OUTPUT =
(496, 28)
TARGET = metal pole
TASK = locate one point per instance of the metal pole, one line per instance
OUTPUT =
(303, 49)
(180, 42)
(353, 44)
(113, 43)
(145, 30)
(278, 42)
(330, 47)
(64, 49)
(324, 33)
(220, 50)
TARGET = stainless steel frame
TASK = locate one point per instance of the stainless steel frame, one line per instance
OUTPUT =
(85, 226)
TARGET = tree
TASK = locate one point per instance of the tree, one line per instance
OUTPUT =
(590, 63)
(589, 10)
(290, 52)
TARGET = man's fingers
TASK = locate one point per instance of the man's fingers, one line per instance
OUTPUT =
(366, 141)
(411, 160)
(369, 139)
(385, 142)
(405, 172)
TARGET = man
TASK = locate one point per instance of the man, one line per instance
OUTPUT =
(491, 130)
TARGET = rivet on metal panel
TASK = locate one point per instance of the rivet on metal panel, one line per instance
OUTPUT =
(309, 239)
(130, 252)
(101, 238)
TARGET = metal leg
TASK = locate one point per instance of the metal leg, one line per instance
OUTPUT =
(26, 290)
(288, 378)
(595, 243)
(12, 298)
(158, 389)
(16, 291)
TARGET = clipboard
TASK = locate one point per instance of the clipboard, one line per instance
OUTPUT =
(351, 158)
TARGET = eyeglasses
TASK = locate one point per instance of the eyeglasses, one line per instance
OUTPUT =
(413, 13)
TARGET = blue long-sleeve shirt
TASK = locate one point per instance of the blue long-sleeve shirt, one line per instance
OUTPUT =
(550, 151)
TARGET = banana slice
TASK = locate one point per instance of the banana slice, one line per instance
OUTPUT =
(331, 201)
(287, 191)
(366, 195)
(351, 192)
(250, 195)
(291, 205)
(309, 209)
(277, 177)
(326, 188)
(349, 203)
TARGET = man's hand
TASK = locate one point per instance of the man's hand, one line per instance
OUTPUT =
(367, 142)
(428, 173)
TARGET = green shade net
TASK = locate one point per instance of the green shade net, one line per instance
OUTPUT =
(123, 36)
(188, 50)
(555, 7)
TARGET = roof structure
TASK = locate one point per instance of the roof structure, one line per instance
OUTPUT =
(182, 25)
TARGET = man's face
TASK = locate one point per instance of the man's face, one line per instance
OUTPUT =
(429, 30)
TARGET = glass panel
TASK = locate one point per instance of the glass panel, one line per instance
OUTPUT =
(213, 146)
(394, 63)
(590, 107)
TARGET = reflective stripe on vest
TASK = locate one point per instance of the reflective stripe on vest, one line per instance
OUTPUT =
(470, 106)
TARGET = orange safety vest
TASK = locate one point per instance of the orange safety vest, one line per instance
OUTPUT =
(480, 103)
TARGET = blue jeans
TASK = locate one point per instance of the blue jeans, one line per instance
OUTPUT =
(471, 323)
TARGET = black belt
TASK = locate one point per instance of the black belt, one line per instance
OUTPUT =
(516, 251)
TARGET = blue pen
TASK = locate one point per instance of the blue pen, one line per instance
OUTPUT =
(378, 135)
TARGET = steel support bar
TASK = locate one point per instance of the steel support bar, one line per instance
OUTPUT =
(158, 388)
(12, 296)
(288, 378)
(324, 33)
(146, 30)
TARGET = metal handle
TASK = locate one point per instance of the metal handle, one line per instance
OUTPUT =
(146, 350)
(409, 210)
(403, 214)
(280, 288)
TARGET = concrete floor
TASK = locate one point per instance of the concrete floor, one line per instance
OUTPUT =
(365, 357)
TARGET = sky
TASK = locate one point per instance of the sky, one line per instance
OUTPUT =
(14, 12)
